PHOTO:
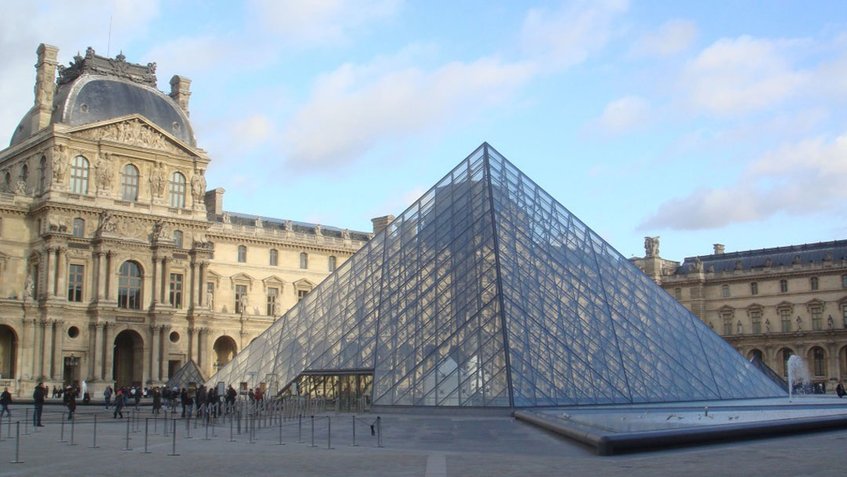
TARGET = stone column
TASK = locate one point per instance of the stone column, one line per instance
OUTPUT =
(109, 277)
(26, 348)
(191, 346)
(201, 347)
(38, 357)
(97, 355)
(58, 348)
(98, 276)
(200, 284)
(165, 353)
(165, 271)
(51, 274)
(155, 351)
(154, 288)
(108, 350)
(61, 273)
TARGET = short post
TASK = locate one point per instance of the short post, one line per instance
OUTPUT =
(26, 422)
(146, 427)
(73, 425)
(127, 448)
(62, 427)
(251, 423)
(378, 431)
(156, 423)
(328, 432)
(165, 425)
(17, 444)
(207, 428)
(239, 421)
(280, 432)
(300, 428)
(173, 444)
(354, 431)
(313, 431)
(231, 425)
(188, 427)
(94, 439)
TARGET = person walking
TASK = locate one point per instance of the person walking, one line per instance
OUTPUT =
(5, 400)
(107, 395)
(157, 401)
(119, 404)
(38, 400)
(70, 401)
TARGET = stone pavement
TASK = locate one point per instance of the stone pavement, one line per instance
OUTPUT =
(413, 445)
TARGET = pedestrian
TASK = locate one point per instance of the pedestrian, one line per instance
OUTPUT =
(119, 403)
(5, 400)
(157, 401)
(838, 390)
(70, 401)
(136, 393)
(107, 395)
(38, 400)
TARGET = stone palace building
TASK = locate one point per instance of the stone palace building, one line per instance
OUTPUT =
(770, 303)
(117, 265)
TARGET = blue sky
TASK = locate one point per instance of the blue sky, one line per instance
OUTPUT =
(700, 122)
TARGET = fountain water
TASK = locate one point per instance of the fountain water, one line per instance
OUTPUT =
(798, 372)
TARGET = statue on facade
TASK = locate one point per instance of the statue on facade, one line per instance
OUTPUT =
(226, 218)
(318, 230)
(345, 234)
(799, 323)
(698, 264)
(104, 173)
(29, 287)
(157, 180)
(740, 328)
(198, 187)
(210, 300)
(106, 223)
(60, 163)
(158, 230)
(651, 246)
(830, 323)
(767, 326)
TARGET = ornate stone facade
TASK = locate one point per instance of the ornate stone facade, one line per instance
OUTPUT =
(768, 303)
(116, 265)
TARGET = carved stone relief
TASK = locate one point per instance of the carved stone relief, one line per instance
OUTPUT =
(158, 180)
(60, 163)
(133, 132)
(104, 173)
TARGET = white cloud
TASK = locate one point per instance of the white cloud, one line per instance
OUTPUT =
(623, 115)
(737, 76)
(671, 38)
(320, 21)
(355, 107)
(797, 179)
(567, 36)
(253, 130)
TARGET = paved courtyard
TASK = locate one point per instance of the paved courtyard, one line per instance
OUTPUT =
(413, 445)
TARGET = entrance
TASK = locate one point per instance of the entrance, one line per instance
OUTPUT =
(70, 375)
(8, 352)
(348, 392)
(225, 350)
(128, 367)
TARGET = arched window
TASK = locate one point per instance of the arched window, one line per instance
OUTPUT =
(756, 354)
(177, 190)
(79, 227)
(813, 283)
(24, 173)
(818, 363)
(178, 238)
(786, 353)
(7, 187)
(304, 260)
(274, 257)
(332, 263)
(129, 286)
(242, 254)
(783, 286)
(129, 183)
(42, 175)
(724, 291)
(79, 176)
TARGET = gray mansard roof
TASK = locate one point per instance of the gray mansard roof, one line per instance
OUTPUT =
(765, 258)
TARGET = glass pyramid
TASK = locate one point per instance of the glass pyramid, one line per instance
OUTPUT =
(488, 292)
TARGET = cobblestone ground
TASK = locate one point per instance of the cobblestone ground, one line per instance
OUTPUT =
(412, 445)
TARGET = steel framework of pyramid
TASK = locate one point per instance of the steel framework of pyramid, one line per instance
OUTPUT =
(487, 292)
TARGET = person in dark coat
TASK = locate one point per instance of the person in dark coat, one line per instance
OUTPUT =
(38, 400)
(120, 400)
(70, 401)
(5, 400)
(157, 401)
(838, 390)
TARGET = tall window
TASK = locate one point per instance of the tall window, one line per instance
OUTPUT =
(813, 283)
(724, 291)
(24, 174)
(843, 281)
(178, 238)
(756, 321)
(818, 358)
(727, 323)
(274, 257)
(129, 286)
(79, 176)
(785, 319)
(783, 286)
(754, 288)
(177, 190)
(302, 294)
(129, 183)
(240, 298)
(242, 254)
(273, 293)
(79, 227)
(175, 296)
(817, 318)
(304, 260)
(7, 186)
(332, 263)
(75, 277)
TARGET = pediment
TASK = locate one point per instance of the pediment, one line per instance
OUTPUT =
(303, 284)
(133, 130)
(273, 280)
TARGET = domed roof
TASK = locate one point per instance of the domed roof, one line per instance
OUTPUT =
(95, 88)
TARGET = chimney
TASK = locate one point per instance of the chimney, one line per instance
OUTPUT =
(181, 91)
(380, 223)
(45, 85)
(214, 200)
(719, 249)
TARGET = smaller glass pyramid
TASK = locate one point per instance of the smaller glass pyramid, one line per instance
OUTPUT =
(487, 292)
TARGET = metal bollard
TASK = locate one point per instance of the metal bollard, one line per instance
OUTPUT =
(146, 427)
(280, 433)
(300, 428)
(378, 431)
(17, 444)
(26, 422)
(207, 428)
(328, 432)
(62, 432)
(188, 427)
(231, 438)
(354, 431)
(313, 431)
(156, 424)
(73, 425)
(251, 423)
(94, 441)
(173, 448)
(127, 448)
